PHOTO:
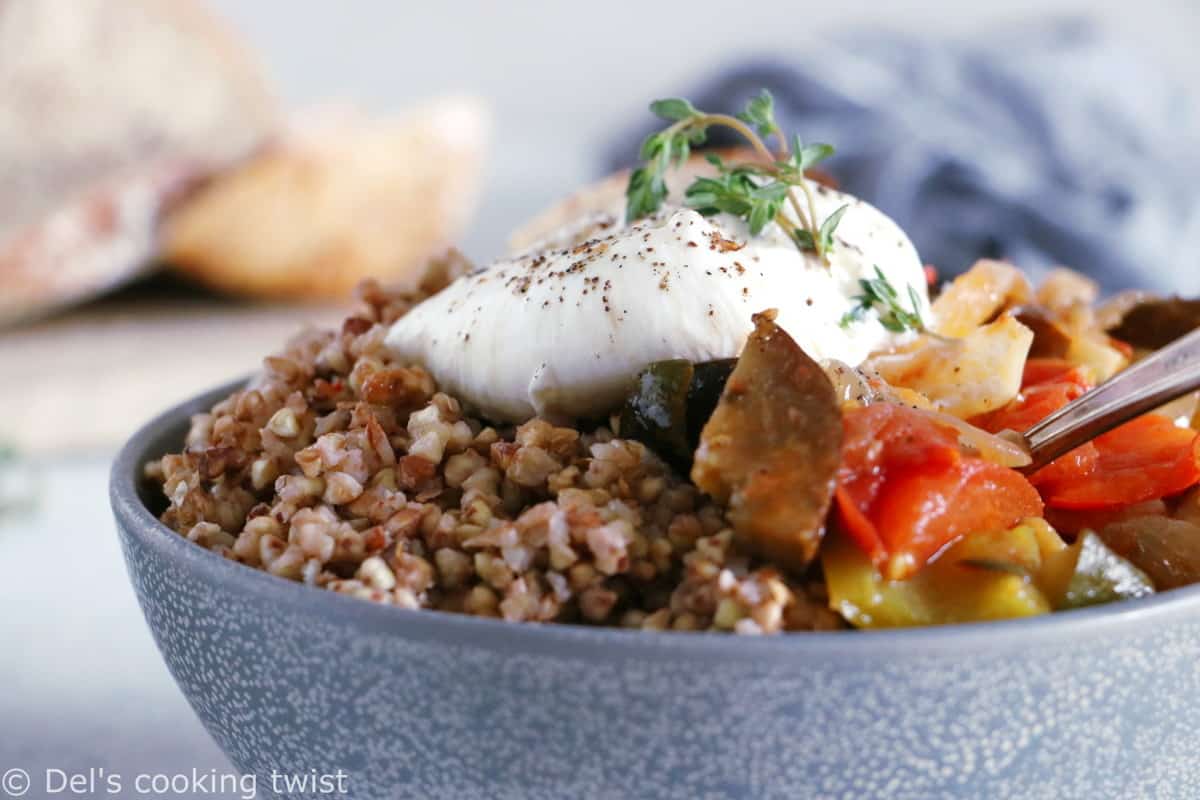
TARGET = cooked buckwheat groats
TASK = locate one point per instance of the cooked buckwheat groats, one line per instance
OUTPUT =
(342, 469)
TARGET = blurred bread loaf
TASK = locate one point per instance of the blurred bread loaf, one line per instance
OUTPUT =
(108, 110)
(335, 202)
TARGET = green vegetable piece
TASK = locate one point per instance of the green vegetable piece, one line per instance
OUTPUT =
(708, 381)
(1102, 576)
(655, 413)
(670, 403)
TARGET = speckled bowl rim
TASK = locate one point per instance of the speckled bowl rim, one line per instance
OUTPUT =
(592, 642)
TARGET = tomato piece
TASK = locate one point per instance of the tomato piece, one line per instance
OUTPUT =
(1046, 370)
(1047, 385)
(905, 490)
(1082, 462)
(1146, 459)
(857, 527)
(925, 510)
(1124, 348)
(1030, 407)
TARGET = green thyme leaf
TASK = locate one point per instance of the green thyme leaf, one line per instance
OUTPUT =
(760, 114)
(803, 157)
(855, 314)
(736, 192)
(804, 239)
(681, 148)
(829, 226)
(767, 202)
(645, 194)
(880, 295)
(810, 155)
(647, 188)
(712, 196)
(726, 193)
(674, 109)
(652, 145)
(916, 304)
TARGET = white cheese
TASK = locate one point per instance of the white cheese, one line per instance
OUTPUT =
(561, 333)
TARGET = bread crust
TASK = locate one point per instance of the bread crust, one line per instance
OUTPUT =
(92, 152)
(103, 238)
(326, 206)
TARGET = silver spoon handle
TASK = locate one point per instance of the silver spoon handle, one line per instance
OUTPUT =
(1160, 378)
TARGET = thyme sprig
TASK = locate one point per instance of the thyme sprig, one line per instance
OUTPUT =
(879, 294)
(754, 192)
(738, 191)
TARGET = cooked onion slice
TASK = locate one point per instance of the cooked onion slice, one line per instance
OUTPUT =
(979, 442)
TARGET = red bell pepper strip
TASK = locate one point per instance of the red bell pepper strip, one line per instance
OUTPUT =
(1047, 385)
(1146, 459)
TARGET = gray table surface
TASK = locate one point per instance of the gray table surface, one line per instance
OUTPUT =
(82, 686)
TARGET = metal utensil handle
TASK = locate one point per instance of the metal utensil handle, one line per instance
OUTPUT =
(1160, 378)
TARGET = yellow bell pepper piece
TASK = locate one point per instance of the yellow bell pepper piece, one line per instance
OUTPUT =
(988, 575)
(946, 591)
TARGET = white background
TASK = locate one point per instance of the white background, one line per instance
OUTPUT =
(563, 77)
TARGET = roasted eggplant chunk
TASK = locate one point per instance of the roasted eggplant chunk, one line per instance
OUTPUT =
(1050, 339)
(1156, 323)
(771, 448)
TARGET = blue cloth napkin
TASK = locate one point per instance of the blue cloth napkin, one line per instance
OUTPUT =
(1045, 146)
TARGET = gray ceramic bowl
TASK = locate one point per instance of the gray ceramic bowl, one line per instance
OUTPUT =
(1088, 704)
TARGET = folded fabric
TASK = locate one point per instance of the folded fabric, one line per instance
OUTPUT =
(1052, 145)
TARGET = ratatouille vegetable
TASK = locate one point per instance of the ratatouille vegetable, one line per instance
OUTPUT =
(893, 476)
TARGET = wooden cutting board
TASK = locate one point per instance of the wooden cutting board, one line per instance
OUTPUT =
(86, 380)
